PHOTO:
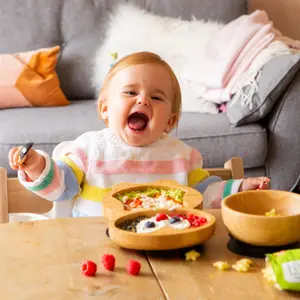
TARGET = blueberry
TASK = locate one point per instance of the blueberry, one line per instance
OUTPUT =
(174, 219)
(149, 224)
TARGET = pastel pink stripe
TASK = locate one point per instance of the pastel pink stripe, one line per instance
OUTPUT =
(83, 158)
(141, 167)
(218, 198)
(195, 159)
(55, 184)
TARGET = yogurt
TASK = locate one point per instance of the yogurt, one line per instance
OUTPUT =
(143, 228)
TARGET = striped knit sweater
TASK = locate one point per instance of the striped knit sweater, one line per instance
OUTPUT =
(83, 170)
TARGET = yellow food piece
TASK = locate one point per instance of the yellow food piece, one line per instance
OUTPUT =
(272, 213)
(241, 267)
(192, 255)
(245, 261)
(269, 274)
(221, 265)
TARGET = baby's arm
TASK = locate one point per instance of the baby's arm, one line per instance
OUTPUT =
(213, 188)
(62, 176)
(57, 181)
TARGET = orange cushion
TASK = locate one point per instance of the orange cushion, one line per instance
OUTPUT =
(29, 79)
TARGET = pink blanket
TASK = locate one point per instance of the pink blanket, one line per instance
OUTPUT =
(228, 55)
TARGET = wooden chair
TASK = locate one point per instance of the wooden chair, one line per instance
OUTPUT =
(233, 169)
(14, 198)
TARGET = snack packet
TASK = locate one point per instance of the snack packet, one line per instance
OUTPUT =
(283, 269)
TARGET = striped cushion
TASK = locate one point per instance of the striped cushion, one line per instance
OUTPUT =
(30, 79)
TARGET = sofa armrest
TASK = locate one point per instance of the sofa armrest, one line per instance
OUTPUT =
(283, 124)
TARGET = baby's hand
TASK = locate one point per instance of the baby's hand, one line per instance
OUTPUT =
(33, 163)
(258, 183)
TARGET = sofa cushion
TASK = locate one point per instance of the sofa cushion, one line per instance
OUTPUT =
(79, 27)
(274, 78)
(30, 79)
(211, 135)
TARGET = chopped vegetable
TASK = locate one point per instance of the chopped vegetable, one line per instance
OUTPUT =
(152, 198)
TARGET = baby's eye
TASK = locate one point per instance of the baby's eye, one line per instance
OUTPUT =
(156, 98)
(130, 93)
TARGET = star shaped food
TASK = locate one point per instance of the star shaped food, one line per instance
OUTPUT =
(192, 255)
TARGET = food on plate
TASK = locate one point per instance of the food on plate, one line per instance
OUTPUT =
(152, 198)
(145, 224)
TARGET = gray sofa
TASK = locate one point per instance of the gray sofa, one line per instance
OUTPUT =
(271, 147)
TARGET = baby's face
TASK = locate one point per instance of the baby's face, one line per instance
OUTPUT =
(138, 104)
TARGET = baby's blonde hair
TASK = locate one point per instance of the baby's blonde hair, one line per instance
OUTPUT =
(140, 58)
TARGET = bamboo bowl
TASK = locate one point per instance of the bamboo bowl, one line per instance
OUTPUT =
(165, 238)
(244, 216)
(113, 208)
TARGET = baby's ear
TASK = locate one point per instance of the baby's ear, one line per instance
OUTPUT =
(102, 109)
(171, 122)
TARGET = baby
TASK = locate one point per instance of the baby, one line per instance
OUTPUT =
(140, 102)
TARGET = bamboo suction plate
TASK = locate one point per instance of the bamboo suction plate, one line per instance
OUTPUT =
(165, 238)
(114, 208)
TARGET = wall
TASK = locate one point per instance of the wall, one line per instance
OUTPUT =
(284, 13)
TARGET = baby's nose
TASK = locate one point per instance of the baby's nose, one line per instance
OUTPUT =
(143, 100)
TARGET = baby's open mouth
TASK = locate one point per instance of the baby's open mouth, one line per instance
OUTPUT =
(138, 121)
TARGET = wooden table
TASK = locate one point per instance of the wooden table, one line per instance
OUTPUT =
(42, 260)
(193, 280)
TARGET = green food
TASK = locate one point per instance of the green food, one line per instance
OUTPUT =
(175, 194)
(151, 192)
(283, 269)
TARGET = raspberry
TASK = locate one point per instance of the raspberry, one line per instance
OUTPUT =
(108, 261)
(191, 218)
(197, 221)
(133, 267)
(161, 217)
(203, 220)
(88, 268)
